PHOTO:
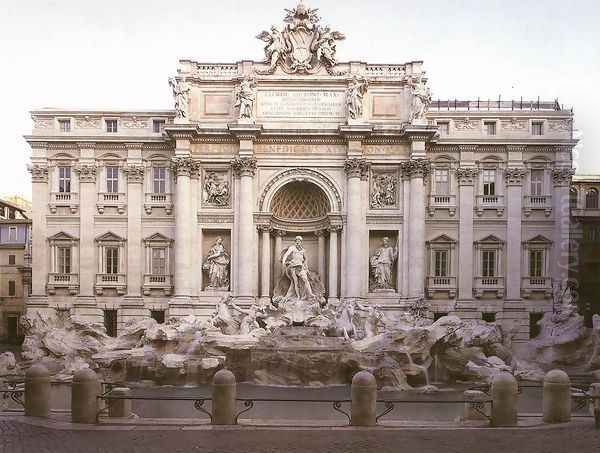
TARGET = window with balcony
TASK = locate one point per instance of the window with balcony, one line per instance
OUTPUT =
(536, 263)
(442, 184)
(440, 278)
(488, 263)
(158, 126)
(536, 252)
(591, 199)
(159, 261)
(111, 126)
(159, 178)
(444, 128)
(157, 275)
(111, 260)
(537, 183)
(537, 128)
(111, 264)
(489, 127)
(112, 179)
(64, 179)
(64, 125)
(440, 262)
(63, 269)
(489, 267)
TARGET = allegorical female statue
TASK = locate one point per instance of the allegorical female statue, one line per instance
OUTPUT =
(217, 265)
(381, 265)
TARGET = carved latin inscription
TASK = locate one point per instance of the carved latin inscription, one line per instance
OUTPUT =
(302, 104)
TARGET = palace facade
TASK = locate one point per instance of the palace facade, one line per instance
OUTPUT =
(472, 196)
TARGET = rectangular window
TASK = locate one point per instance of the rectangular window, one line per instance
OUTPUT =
(534, 327)
(64, 125)
(12, 260)
(2, 214)
(490, 127)
(112, 179)
(12, 234)
(537, 128)
(12, 288)
(488, 263)
(536, 263)
(159, 261)
(444, 128)
(111, 126)
(437, 315)
(158, 126)
(488, 317)
(442, 186)
(537, 182)
(160, 179)
(158, 316)
(64, 179)
(112, 260)
(110, 322)
(64, 260)
(489, 182)
(441, 263)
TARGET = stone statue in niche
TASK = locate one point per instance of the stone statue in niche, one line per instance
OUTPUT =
(181, 92)
(354, 97)
(216, 265)
(381, 263)
(421, 99)
(383, 192)
(245, 95)
(296, 269)
(216, 190)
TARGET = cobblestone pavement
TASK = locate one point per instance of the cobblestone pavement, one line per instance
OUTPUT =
(17, 437)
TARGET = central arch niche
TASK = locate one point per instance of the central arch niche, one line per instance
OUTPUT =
(300, 200)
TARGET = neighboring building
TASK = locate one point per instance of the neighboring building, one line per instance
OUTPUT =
(585, 267)
(15, 269)
(472, 195)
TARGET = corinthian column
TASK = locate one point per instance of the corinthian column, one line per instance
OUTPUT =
(87, 207)
(466, 180)
(265, 271)
(417, 170)
(514, 202)
(333, 262)
(183, 167)
(39, 204)
(561, 177)
(356, 169)
(244, 168)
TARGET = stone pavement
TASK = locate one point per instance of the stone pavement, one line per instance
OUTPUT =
(17, 436)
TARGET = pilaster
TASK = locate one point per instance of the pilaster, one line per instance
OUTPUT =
(514, 198)
(561, 178)
(466, 177)
(135, 178)
(39, 201)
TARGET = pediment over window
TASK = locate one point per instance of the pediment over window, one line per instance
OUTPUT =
(539, 239)
(491, 239)
(442, 239)
(157, 237)
(62, 236)
(110, 237)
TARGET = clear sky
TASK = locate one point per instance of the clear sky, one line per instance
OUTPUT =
(118, 54)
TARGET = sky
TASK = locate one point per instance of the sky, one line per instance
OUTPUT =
(118, 54)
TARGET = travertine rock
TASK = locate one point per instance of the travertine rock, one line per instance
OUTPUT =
(7, 362)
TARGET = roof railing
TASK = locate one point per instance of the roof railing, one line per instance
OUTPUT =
(497, 104)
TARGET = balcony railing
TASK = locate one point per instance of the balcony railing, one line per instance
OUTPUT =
(158, 200)
(111, 199)
(542, 202)
(442, 202)
(158, 281)
(488, 284)
(111, 281)
(58, 280)
(530, 285)
(441, 284)
(490, 202)
(68, 199)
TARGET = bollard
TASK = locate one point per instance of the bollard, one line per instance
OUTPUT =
(223, 400)
(595, 403)
(37, 391)
(120, 408)
(84, 392)
(364, 399)
(474, 398)
(504, 400)
(556, 400)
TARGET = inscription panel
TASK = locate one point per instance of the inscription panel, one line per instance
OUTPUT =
(300, 104)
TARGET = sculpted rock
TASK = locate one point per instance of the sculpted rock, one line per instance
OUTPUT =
(7, 362)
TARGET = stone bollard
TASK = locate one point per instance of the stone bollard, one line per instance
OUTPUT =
(37, 391)
(84, 402)
(595, 404)
(474, 398)
(504, 400)
(364, 399)
(556, 401)
(120, 408)
(223, 399)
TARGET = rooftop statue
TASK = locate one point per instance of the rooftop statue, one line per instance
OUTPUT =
(181, 94)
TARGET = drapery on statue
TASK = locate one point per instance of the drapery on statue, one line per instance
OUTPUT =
(245, 95)
(217, 265)
(421, 98)
(276, 47)
(296, 269)
(354, 97)
(381, 265)
(181, 91)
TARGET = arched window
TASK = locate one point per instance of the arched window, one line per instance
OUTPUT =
(573, 194)
(591, 199)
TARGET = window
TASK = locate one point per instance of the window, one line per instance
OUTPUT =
(441, 182)
(159, 261)
(537, 128)
(158, 126)
(534, 327)
(12, 234)
(112, 179)
(440, 263)
(160, 179)
(64, 179)
(64, 125)
(111, 126)
(591, 199)
(11, 213)
(591, 233)
(158, 316)
(12, 288)
(536, 263)
(110, 322)
(438, 315)
(112, 260)
(64, 260)
(488, 263)
(2, 214)
(489, 182)
(537, 182)
(444, 128)
(573, 198)
(488, 317)
(489, 127)
(11, 260)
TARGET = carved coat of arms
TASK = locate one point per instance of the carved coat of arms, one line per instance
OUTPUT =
(303, 45)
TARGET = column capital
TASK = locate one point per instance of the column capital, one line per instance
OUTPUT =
(334, 228)
(86, 172)
(135, 173)
(466, 175)
(357, 168)
(264, 228)
(561, 176)
(184, 166)
(319, 233)
(416, 168)
(514, 175)
(39, 172)
(280, 233)
(243, 166)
